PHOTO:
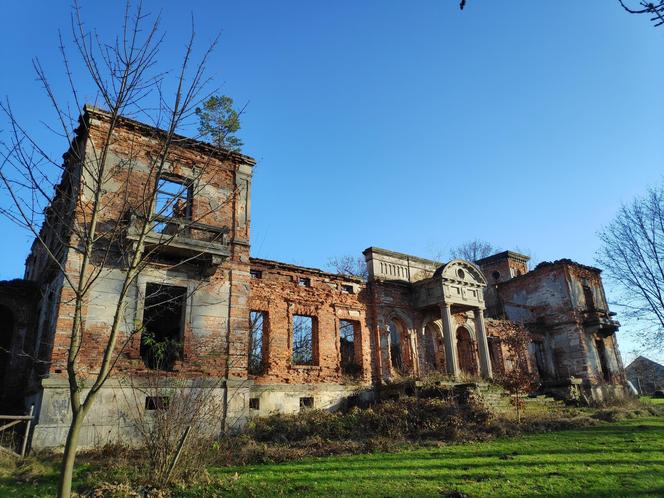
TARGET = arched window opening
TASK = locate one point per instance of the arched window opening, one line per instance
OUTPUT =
(395, 345)
(434, 350)
(466, 352)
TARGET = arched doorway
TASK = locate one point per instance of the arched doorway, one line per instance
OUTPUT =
(433, 352)
(400, 354)
(6, 333)
(466, 352)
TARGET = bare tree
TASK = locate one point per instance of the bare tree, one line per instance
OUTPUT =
(655, 9)
(349, 266)
(632, 256)
(519, 380)
(97, 222)
(473, 250)
(176, 426)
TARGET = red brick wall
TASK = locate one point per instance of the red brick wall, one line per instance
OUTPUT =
(215, 202)
(278, 294)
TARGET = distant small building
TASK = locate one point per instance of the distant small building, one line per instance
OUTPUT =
(646, 375)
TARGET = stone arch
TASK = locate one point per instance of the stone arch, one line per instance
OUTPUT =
(466, 351)
(405, 320)
(468, 324)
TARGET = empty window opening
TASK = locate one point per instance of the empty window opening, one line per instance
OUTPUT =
(588, 295)
(306, 403)
(540, 363)
(163, 323)
(257, 342)
(348, 289)
(172, 200)
(254, 403)
(157, 402)
(466, 352)
(603, 366)
(395, 346)
(347, 349)
(303, 340)
(434, 351)
(304, 282)
(256, 274)
(496, 354)
(496, 275)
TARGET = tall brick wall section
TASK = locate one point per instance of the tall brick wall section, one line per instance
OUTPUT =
(328, 300)
(392, 302)
(216, 306)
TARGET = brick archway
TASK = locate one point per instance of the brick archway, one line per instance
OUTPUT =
(466, 351)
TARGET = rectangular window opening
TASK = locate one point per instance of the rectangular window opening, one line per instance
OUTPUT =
(349, 364)
(347, 289)
(172, 201)
(157, 402)
(306, 403)
(603, 365)
(254, 403)
(588, 295)
(257, 342)
(303, 340)
(256, 274)
(163, 323)
(304, 282)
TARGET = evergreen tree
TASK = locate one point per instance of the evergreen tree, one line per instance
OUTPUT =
(220, 122)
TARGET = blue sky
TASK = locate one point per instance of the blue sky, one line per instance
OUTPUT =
(407, 125)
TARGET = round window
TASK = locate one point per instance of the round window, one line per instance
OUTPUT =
(496, 275)
(461, 274)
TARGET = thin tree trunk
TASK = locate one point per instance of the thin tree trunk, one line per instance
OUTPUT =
(69, 456)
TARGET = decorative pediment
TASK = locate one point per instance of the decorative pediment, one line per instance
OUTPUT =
(458, 282)
(462, 272)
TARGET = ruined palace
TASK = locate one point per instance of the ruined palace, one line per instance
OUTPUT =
(268, 336)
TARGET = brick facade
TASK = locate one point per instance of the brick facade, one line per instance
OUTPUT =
(413, 317)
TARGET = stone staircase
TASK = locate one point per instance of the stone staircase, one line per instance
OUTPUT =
(492, 396)
(500, 402)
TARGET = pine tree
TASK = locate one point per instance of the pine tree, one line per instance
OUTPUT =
(219, 122)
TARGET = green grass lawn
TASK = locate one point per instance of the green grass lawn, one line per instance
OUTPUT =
(654, 401)
(619, 459)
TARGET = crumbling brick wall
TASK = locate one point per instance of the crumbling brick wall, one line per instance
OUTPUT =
(563, 303)
(282, 291)
(216, 324)
(391, 302)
